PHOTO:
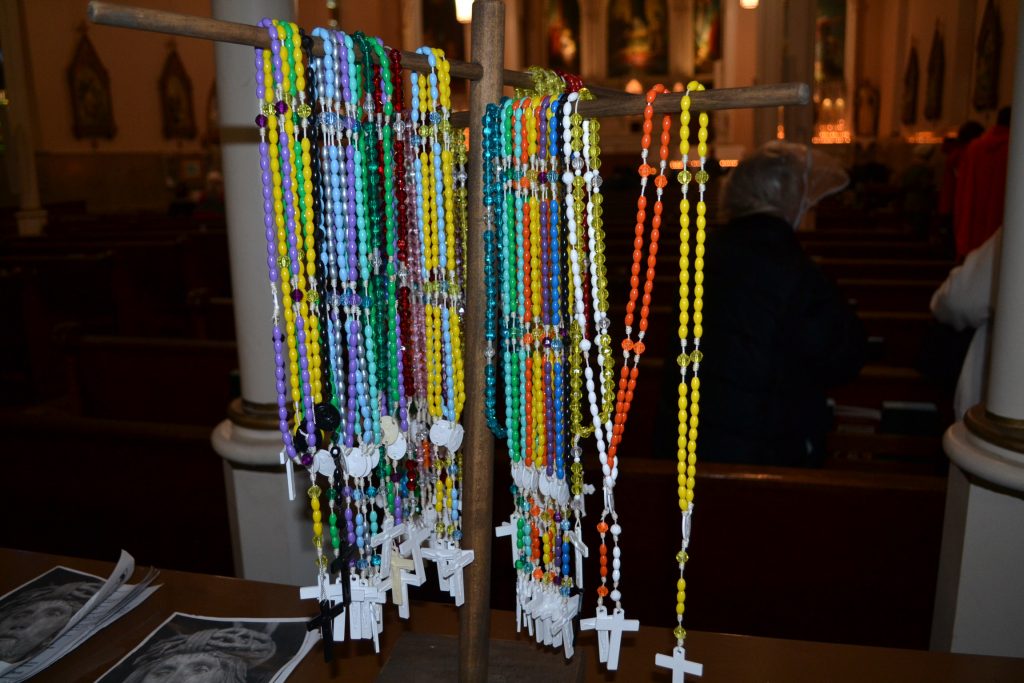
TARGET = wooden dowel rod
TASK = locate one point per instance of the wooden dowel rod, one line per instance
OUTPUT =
(522, 79)
(143, 19)
(777, 95)
(488, 48)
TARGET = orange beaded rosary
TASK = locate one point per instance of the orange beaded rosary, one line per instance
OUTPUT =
(632, 350)
(610, 627)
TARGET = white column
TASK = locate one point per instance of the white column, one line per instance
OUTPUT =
(593, 44)
(270, 533)
(799, 64)
(680, 31)
(979, 602)
(1006, 380)
(31, 217)
(771, 33)
(412, 24)
(514, 35)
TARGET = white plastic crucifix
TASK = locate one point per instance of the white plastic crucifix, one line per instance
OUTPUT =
(366, 619)
(510, 529)
(582, 552)
(450, 563)
(388, 534)
(570, 609)
(609, 633)
(412, 546)
(401, 579)
(679, 665)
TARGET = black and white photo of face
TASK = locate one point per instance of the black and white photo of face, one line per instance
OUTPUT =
(196, 649)
(195, 667)
(27, 627)
(33, 614)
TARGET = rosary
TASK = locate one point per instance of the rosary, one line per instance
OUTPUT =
(365, 216)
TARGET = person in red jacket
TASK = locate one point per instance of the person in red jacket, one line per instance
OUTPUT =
(981, 187)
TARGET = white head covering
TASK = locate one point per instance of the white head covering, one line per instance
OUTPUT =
(782, 179)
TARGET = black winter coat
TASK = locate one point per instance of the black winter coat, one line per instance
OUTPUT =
(777, 334)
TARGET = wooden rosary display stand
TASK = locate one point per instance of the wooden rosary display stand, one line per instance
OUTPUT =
(472, 656)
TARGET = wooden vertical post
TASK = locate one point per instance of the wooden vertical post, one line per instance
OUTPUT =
(488, 45)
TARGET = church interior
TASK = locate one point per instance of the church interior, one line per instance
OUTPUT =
(134, 356)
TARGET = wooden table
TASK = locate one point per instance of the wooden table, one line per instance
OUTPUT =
(726, 658)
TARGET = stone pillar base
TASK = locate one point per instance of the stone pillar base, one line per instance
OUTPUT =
(270, 534)
(31, 222)
(979, 596)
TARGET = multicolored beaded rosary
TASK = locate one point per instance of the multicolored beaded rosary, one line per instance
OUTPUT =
(365, 265)
(526, 271)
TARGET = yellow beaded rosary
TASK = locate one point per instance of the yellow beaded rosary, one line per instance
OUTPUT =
(689, 393)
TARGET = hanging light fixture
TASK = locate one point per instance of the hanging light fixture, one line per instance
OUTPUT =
(464, 11)
(749, 4)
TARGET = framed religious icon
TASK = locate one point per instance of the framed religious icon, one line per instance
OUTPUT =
(908, 110)
(179, 119)
(707, 35)
(865, 115)
(986, 64)
(637, 37)
(91, 107)
(936, 74)
(212, 135)
(563, 31)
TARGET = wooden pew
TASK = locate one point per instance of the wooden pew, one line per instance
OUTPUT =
(897, 335)
(182, 381)
(884, 268)
(156, 490)
(865, 248)
(74, 287)
(874, 452)
(211, 317)
(912, 279)
(30, 369)
(152, 273)
(889, 295)
(877, 383)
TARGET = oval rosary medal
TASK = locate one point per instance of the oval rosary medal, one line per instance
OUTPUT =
(396, 449)
(389, 429)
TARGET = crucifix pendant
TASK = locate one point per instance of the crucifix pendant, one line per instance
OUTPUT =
(679, 665)
(609, 633)
(334, 597)
(347, 553)
(325, 623)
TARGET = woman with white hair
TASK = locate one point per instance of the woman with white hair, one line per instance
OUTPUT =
(777, 332)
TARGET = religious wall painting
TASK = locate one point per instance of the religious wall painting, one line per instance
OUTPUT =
(91, 107)
(987, 60)
(563, 33)
(936, 74)
(212, 135)
(3, 106)
(441, 28)
(866, 110)
(707, 34)
(637, 37)
(179, 121)
(830, 41)
(908, 110)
